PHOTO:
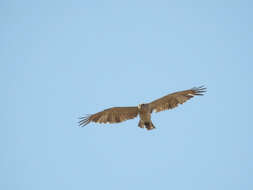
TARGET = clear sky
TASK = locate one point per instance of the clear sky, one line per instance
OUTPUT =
(63, 59)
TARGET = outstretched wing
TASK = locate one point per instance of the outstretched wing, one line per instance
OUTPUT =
(172, 100)
(111, 115)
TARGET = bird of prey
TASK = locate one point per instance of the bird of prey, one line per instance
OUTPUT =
(120, 114)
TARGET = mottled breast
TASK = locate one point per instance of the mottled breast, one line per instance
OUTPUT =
(144, 112)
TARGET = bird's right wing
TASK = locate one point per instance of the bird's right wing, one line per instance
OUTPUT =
(111, 115)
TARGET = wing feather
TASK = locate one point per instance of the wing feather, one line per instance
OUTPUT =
(111, 115)
(171, 101)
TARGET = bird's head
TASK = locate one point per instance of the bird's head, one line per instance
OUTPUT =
(140, 106)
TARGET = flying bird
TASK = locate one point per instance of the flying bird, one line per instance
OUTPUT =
(120, 114)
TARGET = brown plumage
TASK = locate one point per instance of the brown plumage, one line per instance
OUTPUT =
(120, 114)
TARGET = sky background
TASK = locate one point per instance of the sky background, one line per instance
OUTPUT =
(63, 59)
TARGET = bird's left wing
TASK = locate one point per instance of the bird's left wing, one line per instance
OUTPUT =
(111, 115)
(173, 100)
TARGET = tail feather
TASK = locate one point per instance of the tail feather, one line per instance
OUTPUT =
(141, 124)
(149, 125)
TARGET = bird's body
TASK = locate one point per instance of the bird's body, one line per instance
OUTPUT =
(145, 116)
(120, 114)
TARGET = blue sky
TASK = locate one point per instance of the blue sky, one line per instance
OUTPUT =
(64, 59)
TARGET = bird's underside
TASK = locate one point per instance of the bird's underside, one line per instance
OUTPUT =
(120, 114)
